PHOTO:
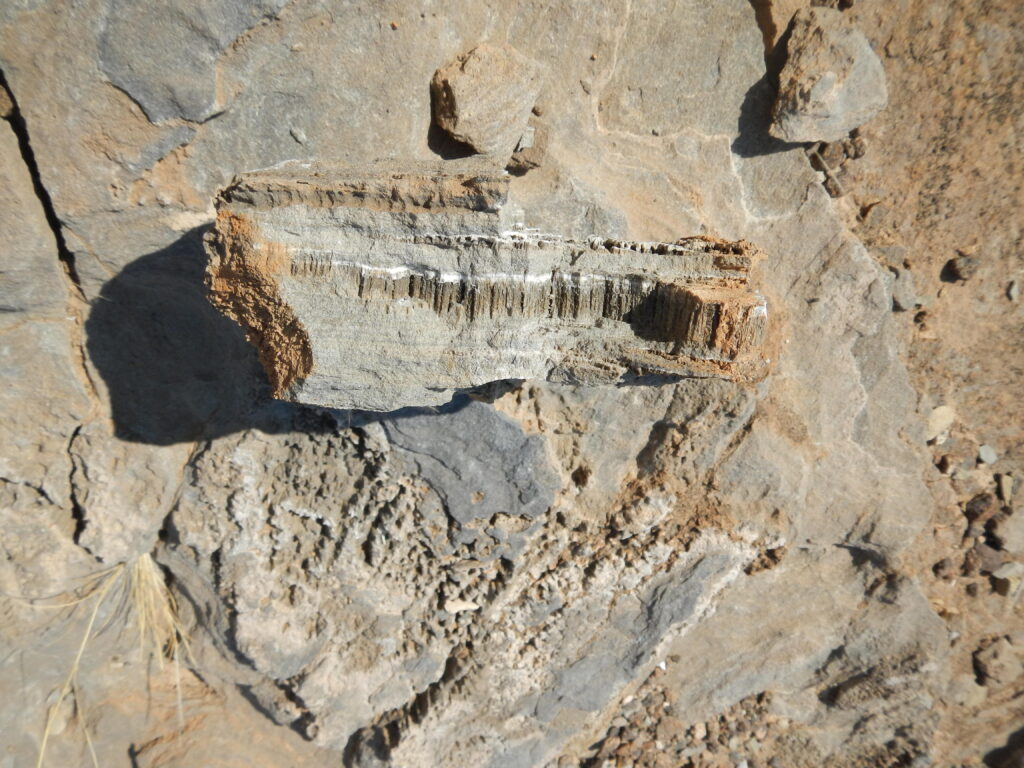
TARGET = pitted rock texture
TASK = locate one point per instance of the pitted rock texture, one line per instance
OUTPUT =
(398, 289)
(514, 578)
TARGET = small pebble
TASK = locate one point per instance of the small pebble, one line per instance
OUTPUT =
(1006, 487)
(939, 421)
(904, 297)
(1007, 578)
(989, 558)
(980, 508)
(987, 455)
(1013, 291)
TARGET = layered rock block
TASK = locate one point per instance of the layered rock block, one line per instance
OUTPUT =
(377, 290)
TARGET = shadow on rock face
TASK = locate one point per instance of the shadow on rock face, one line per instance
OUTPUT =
(179, 371)
(1009, 756)
(753, 138)
(440, 143)
(176, 369)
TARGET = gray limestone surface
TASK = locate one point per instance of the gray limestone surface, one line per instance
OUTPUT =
(476, 584)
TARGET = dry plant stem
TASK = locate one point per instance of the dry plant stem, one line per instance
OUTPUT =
(85, 728)
(110, 580)
(830, 173)
(157, 621)
(155, 610)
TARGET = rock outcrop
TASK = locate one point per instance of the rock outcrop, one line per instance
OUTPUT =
(503, 579)
(385, 290)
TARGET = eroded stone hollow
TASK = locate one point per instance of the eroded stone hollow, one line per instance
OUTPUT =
(379, 290)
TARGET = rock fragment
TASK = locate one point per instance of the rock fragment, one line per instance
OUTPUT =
(980, 508)
(998, 663)
(832, 81)
(939, 422)
(380, 290)
(1005, 484)
(904, 295)
(1008, 532)
(987, 454)
(484, 98)
(1006, 579)
(530, 151)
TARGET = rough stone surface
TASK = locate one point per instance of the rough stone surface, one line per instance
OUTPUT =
(525, 578)
(463, 463)
(387, 290)
(832, 81)
(484, 98)
(999, 662)
(163, 82)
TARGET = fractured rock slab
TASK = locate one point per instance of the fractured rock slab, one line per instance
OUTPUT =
(377, 291)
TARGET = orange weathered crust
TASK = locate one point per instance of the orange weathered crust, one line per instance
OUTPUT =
(242, 280)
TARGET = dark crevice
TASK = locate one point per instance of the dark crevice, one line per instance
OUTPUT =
(373, 744)
(39, 490)
(302, 723)
(1010, 755)
(77, 510)
(765, 23)
(18, 125)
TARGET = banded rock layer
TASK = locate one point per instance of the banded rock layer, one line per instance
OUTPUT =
(381, 290)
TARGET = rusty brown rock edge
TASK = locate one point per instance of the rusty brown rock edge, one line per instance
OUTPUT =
(240, 278)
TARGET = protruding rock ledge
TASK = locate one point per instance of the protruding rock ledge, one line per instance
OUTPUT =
(379, 290)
